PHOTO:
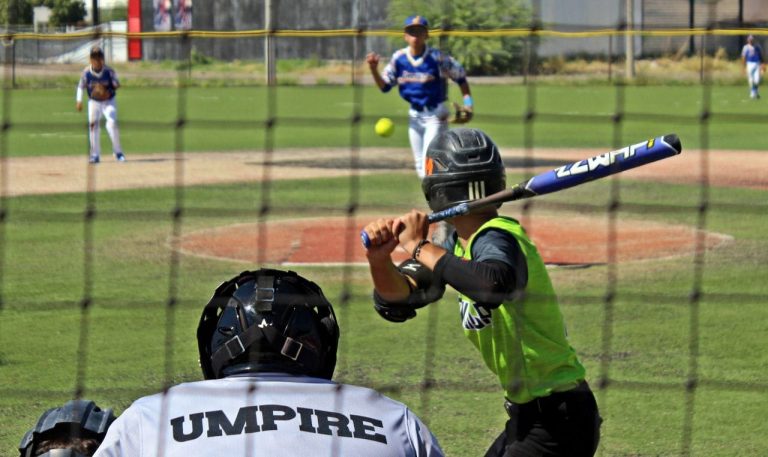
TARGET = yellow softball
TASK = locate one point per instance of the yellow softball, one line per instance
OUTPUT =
(384, 127)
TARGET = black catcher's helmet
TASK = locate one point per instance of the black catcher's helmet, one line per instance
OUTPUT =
(268, 321)
(76, 419)
(461, 165)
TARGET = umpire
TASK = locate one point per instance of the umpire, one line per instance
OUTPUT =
(267, 342)
(509, 309)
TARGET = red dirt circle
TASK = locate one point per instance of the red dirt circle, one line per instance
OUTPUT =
(576, 240)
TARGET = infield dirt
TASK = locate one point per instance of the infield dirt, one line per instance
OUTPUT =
(305, 241)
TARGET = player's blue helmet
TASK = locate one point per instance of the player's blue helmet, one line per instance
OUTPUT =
(77, 419)
(416, 21)
(268, 321)
(461, 165)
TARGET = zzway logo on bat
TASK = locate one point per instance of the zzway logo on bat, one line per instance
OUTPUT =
(603, 160)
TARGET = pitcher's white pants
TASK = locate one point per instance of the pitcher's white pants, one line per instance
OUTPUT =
(423, 127)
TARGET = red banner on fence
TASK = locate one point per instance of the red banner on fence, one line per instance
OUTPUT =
(134, 26)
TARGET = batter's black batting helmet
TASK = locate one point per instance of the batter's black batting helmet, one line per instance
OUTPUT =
(268, 321)
(77, 419)
(461, 165)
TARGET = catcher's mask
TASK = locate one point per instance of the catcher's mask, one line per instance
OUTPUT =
(461, 165)
(76, 419)
(268, 321)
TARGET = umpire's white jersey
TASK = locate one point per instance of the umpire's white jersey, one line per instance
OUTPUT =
(268, 415)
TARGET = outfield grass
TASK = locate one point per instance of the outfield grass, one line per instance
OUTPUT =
(44, 121)
(43, 265)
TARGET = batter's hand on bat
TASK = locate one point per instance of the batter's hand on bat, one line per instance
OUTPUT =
(411, 228)
(79, 106)
(382, 239)
(373, 60)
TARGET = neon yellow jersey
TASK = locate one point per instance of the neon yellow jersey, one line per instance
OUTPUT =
(523, 341)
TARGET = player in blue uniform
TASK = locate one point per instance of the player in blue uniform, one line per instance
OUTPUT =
(752, 56)
(421, 74)
(101, 83)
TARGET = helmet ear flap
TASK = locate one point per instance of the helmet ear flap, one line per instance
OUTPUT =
(325, 319)
(208, 324)
(331, 330)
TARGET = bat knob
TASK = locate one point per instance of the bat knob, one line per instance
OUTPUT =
(364, 238)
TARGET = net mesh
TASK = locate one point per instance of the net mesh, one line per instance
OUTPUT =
(177, 213)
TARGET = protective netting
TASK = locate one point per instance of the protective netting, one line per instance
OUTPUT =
(428, 383)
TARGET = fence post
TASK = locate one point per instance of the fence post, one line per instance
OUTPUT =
(701, 59)
(610, 57)
(269, 45)
(629, 40)
(13, 63)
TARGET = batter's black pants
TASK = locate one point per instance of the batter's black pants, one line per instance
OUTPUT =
(564, 424)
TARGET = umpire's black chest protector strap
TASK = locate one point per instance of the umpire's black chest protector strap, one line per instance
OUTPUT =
(265, 294)
(279, 343)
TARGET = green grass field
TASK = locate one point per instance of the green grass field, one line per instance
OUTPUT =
(134, 344)
(44, 121)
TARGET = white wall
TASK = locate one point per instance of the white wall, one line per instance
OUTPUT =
(115, 48)
(580, 16)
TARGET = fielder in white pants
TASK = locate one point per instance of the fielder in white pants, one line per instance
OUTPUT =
(753, 78)
(107, 109)
(752, 56)
(101, 84)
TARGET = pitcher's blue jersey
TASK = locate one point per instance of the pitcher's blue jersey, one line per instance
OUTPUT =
(106, 77)
(422, 81)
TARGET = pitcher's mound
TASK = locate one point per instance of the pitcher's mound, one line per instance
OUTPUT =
(577, 240)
